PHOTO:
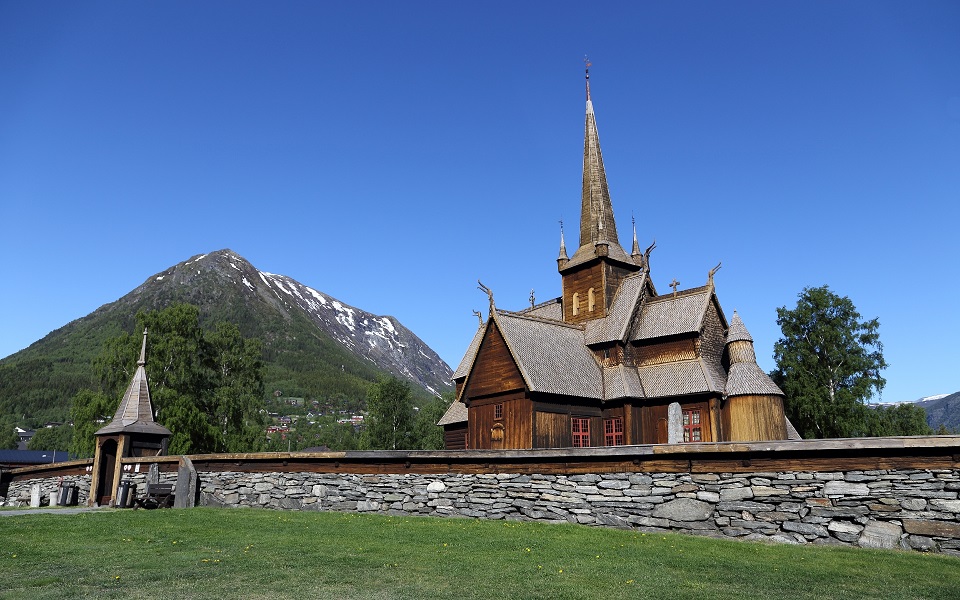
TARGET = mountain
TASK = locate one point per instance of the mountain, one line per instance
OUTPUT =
(314, 345)
(942, 410)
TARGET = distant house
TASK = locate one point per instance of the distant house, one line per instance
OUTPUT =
(23, 437)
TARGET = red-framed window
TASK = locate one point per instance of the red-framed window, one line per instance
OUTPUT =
(580, 427)
(498, 411)
(692, 427)
(613, 431)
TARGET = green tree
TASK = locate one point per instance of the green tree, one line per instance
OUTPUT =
(900, 419)
(391, 416)
(828, 365)
(8, 433)
(427, 434)
(206, 386)
(89, 411)
(52, 438)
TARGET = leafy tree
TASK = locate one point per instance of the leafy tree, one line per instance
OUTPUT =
(8, 433)
(89, 412)
(206, 387)
(901, 419)
(828, 365)
(428, 435)
(52, 438)
(391, 419)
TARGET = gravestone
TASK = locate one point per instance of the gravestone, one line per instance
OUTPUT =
(674, 424)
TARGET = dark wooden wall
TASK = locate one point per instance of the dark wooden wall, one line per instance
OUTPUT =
(455, 436)
(654, 425)
(612, 277)
(494, 371)
(517, 422)
(580, 281)
(664, 352)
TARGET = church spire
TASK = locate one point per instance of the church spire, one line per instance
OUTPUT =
(635, 252)
(596, 211)
(562, 259)
(135, 413)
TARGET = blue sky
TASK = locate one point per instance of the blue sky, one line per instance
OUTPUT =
(392, 153)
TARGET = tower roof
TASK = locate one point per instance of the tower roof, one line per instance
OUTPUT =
(597, 224)
(135, 413)
(738, 331)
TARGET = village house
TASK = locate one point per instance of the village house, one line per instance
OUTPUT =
(611, 361)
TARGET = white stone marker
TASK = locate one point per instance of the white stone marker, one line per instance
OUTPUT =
(674, 424)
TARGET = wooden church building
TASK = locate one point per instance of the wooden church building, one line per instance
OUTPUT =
(611, 362)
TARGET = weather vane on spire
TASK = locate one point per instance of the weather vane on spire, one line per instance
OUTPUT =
(587, 63)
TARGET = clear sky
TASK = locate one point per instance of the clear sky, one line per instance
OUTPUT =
(392, 153)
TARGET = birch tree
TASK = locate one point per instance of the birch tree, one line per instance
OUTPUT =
(828, 364)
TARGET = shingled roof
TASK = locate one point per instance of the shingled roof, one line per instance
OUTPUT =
(677, 379)
(551, 355)
(551, 309)
(597, 225)
(745, 377)
(467, 362)
(615, 326)
(135, 413)
(673, 315)
(456, 413)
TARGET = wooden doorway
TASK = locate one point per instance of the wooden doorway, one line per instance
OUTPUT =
(108, 464)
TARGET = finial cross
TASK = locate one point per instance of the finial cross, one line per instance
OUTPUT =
(674, 285)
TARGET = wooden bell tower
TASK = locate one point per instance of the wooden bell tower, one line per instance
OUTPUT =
(132, 432)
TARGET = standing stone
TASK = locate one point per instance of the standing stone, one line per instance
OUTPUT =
(35, 495)
(674, 424)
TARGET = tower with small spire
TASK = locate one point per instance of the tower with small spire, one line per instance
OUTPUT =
(132, 432)
(590, 277)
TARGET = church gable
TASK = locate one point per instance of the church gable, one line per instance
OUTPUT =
(494, 370)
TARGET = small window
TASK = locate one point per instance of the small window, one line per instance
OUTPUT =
(498, 411)
(591, 300)
(580, 428)
(576, 303)
(692, 427)
(613, 431)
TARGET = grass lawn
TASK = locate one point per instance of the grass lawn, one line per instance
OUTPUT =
(245, 553)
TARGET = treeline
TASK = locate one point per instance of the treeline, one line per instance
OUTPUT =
(394, 421)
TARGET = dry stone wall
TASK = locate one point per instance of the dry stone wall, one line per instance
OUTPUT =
(916, 509)
(909, 509)
(21, 491)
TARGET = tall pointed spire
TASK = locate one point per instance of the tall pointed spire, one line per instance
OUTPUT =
(635, 252)
(562, 259)
(596, 211)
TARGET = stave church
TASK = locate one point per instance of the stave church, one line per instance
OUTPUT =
(611, 361)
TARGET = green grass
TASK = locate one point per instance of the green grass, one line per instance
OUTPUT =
(211, 553)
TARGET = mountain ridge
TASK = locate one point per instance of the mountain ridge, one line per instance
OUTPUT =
(314, 344)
